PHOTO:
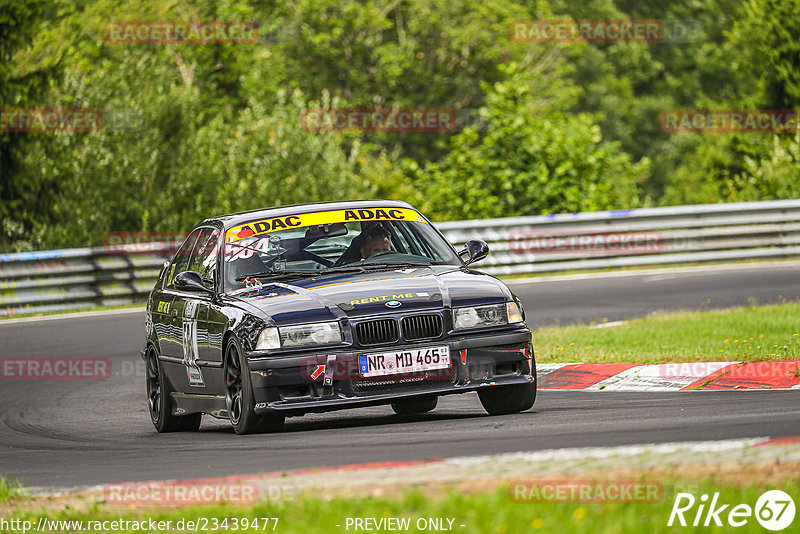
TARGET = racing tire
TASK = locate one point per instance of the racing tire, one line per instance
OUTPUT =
(160, 402)
(239, 397)
(412, 406)
(508, 399)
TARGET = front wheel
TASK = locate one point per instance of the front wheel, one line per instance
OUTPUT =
(508, 399)
(160, 403)
(239, 396)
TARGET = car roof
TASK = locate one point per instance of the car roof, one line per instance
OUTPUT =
(235, 219)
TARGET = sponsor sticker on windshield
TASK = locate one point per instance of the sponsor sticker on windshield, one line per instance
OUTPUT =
(265, 226)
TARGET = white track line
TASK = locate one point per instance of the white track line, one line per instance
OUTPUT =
(661, 377)
(607, 452)
(77, 315)
(711, 269)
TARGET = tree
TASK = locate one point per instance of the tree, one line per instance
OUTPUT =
(529, 162)
(24, 198)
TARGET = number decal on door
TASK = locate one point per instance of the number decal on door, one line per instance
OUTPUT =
(190, 353)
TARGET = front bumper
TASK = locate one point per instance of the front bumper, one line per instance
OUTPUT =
(294, 385)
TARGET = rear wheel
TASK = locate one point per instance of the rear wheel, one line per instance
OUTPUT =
(160, 403)
(508, 399)
(411, 406)
(239, 396)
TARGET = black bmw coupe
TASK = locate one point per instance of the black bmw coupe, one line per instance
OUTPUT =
(310, 308)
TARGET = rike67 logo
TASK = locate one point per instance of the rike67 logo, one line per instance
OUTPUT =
(774, 510)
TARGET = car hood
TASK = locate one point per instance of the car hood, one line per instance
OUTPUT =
(357, 295)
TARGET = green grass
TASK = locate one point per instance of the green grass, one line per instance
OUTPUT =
(740, 334)
(10, 489)
(490, 511)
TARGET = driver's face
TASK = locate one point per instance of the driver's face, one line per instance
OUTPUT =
(374, 245)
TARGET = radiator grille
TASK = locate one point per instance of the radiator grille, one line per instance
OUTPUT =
(422, 326)
(377, 331)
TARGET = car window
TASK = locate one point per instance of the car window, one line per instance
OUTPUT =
(324, 246)
(204, 256)
(181, 258)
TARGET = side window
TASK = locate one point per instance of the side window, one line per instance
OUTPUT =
(181, 259)
(204, 257)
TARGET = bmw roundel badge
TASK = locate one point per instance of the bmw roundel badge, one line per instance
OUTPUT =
(394, 303)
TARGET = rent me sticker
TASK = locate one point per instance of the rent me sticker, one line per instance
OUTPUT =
(274, 224)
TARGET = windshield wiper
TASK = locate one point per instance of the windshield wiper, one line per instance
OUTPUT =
(360, 267)
(368, 264)
(343, 269)
(277, 273)
(364, 266)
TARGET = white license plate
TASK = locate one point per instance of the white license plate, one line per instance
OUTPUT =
(404, 361)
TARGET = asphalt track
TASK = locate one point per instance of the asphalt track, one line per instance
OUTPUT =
(59, 434)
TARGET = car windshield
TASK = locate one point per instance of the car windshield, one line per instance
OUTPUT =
(295, 246)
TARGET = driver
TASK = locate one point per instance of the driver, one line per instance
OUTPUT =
(376, 239)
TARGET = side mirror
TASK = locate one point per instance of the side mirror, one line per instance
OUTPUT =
(477, 249)
(191, 281)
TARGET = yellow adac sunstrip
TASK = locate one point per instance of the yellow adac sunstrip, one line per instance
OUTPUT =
(265, 226)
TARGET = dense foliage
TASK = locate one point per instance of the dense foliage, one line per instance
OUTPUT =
(192, 130)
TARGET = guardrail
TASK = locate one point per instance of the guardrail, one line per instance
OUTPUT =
(34, 282)
(55, 280)
(658, 236)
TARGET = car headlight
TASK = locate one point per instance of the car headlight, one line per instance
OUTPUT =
(513, 312)
(310, 334)
(268, 339)
(303, 335)
(486, 316)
